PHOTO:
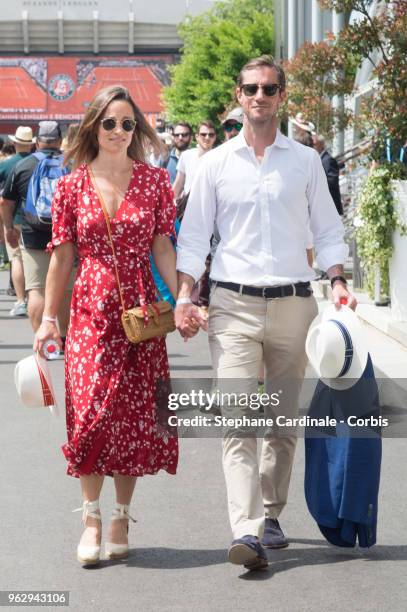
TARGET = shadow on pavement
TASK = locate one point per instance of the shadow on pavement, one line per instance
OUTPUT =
(325, 554)
(170, 558)
(321, 553)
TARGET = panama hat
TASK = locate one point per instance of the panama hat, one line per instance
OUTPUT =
(335, 347)
(34, 384)
(23, 135)
(299, 121)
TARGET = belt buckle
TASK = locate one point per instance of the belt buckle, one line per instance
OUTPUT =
(264, 294)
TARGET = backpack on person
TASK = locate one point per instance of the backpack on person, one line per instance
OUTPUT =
(41, 188)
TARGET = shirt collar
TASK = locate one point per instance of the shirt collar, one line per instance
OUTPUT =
(239, 141)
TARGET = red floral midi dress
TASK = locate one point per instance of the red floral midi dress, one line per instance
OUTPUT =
(113, 386)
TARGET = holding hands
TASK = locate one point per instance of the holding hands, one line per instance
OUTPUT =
(189, 319)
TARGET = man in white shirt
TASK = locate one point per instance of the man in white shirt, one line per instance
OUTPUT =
(189, 160)
(262, 189)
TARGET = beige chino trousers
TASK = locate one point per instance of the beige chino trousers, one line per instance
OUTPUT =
(243, 331)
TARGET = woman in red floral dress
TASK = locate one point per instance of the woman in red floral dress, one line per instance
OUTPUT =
(112, 386)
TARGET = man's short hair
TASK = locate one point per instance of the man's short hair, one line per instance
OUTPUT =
(183, 124)
(207, 123)
(258, 62)
(319, 138)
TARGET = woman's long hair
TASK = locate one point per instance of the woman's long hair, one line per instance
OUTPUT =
(85, 147)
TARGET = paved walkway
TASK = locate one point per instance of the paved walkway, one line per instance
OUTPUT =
(178, 556)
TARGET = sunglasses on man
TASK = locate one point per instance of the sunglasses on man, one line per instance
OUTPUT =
(207, 134)
(110, 124)
(182, 135)
(269, 90)
(229, 127)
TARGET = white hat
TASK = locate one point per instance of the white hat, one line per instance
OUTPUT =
(235, 114)
(335, 347)
(33, 382)
(300, 122)
(23, 135)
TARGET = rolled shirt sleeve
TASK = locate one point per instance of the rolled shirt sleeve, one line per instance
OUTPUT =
(197, 225)
(325, 223)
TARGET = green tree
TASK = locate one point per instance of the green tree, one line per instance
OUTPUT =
(323, 70)
(385, 110)
(215, 46)
(316, 73)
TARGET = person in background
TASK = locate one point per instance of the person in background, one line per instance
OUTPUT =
(159, 159)
(23, 141)
(181, 136)
(190, 160)
(8, 150)
(69, 137)
(233, 123)
(188, 164)
(35, 236)
(331, 168)
(160, 125)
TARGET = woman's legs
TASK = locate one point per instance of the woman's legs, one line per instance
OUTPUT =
(91, 486)
(124, 486)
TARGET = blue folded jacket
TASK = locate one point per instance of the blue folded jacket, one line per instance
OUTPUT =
(342, 463)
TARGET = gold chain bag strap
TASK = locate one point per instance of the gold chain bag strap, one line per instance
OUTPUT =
(147, 320)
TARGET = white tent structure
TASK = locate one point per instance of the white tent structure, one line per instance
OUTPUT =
(93, 26)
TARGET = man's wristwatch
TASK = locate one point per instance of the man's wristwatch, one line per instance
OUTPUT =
(338, 278)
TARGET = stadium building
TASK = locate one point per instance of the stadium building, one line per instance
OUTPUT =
(55, 54)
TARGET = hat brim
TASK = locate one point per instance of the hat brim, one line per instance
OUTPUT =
(360, 352)
(304, 126)
(33, 383)
(22, 142)
(232, 120)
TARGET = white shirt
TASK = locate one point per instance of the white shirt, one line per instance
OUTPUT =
(188, 164)
(262, 211)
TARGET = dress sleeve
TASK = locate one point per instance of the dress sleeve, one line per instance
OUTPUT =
(165, 209)
(63, 215)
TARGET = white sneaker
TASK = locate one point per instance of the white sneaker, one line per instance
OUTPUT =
(19, 310)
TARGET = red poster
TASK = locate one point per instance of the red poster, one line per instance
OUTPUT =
(62, 87)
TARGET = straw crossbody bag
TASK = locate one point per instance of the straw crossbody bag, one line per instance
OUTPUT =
(147, 320)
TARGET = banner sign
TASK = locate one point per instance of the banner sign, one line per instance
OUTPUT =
(60, 88)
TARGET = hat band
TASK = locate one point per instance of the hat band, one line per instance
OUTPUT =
(348, 348)
(46, 391)
(23, 141)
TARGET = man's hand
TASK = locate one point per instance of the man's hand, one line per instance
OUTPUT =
(341, 295)
(12, 237)
(188, 320)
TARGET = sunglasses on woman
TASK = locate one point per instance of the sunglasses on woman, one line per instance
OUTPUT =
(110, 123)
(250, 89)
